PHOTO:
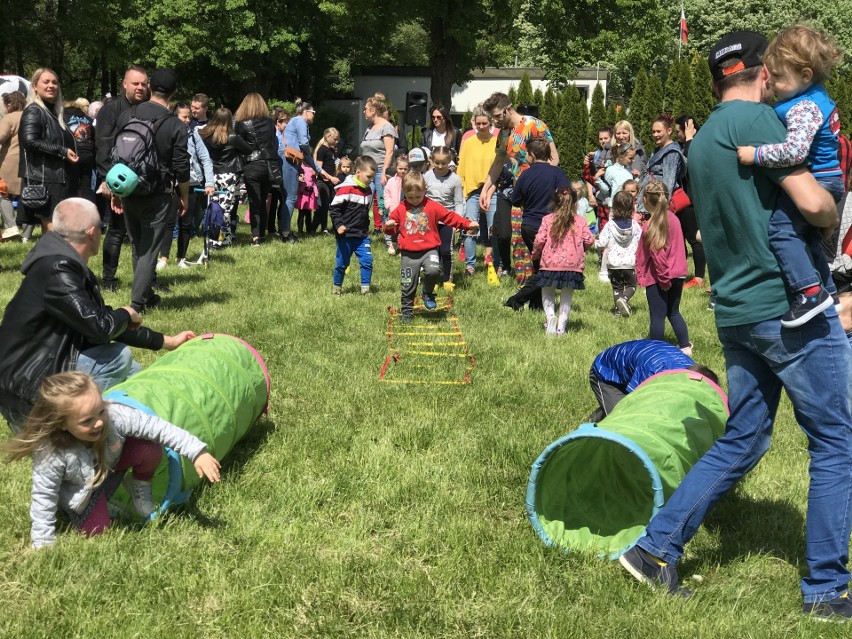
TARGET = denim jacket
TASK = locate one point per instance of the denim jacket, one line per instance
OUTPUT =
(200, 164)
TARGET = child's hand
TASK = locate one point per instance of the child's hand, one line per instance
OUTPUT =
(745, 154)
(341, 230)
(207, 466)
(390, 227)
(473, 229)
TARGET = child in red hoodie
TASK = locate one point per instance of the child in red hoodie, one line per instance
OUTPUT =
(417, 219)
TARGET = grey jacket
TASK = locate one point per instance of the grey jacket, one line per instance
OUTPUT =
(62, 476)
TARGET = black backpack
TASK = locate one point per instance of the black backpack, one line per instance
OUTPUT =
(135, 147)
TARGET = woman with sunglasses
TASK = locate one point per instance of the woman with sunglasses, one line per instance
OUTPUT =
(442, 131)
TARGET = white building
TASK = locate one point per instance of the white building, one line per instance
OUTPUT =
(395, 82)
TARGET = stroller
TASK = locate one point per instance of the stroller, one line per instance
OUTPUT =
(212, 226)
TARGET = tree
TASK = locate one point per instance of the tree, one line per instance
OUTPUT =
(538, 99)
(638, 111)
(680, 93)
(654, 107)
(524, 94)
(466, 119)
(612, 113)
(572, 131)
(549, 109)
(703, 83)
(597, 114)
(513, 94)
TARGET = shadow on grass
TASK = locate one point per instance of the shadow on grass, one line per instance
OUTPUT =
(245, 449)
(177, 302)
(745, 526)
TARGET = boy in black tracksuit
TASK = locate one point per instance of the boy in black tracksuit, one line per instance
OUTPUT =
(350, 217)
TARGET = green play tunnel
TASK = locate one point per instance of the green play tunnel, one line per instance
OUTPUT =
(597, 488)
(215, 387)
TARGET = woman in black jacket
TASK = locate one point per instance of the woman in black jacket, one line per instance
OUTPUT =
(261, 172)
(442, 132)
(227, 150)
(48, 154)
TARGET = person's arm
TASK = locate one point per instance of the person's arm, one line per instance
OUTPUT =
(803, 122)
(491, 178)
(5, 130)
(134, 422)
(458, 198)
(67, 301)
(32, 136)
(554, 154)
(814, 202)
(540, 240)
(47, 473)
(388, 142)
(450, 218)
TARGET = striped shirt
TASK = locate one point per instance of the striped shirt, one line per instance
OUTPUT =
(631, 363)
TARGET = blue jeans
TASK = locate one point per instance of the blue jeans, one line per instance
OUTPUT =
(812, 364)
(109, 364)
(472, 212)
(360, 246)
(290, 177)
(798, 246)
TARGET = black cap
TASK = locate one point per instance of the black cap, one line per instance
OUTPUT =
(748, 46)
(164, 81)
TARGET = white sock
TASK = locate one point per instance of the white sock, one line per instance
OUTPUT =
(565, 296)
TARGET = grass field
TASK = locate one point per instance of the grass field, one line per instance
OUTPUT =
(364, 509)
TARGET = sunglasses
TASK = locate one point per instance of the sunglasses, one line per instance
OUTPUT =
(438, 117)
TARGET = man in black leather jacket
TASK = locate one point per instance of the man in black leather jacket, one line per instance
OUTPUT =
(146, 215)
(57, 320)
(134, 91)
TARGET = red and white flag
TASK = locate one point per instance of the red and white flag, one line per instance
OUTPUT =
(684, 29)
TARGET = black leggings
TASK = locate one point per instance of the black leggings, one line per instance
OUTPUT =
(666, 304)
(320, 220)
(689, 225)
(258, 185)
(502, 234)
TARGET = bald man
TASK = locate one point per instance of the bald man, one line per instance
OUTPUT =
(58, 321)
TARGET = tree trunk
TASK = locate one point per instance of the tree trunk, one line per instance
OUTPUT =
(444, 61)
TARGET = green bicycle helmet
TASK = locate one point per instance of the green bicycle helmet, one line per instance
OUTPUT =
(121, 180)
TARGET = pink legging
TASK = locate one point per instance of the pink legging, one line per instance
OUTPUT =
(143, 457)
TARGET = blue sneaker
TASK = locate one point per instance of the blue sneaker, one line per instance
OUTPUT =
(805, 308)
(645, 568)
(838, 609)
(429, 302)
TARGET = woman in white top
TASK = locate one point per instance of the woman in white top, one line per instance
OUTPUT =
(442, 132)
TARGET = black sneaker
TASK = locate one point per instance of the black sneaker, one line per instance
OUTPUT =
(646, 569)
(805, 308)
(111, 286)
(838, 609)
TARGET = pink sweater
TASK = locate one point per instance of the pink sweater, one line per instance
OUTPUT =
(661, 267)
(393, 193)
(569, 254)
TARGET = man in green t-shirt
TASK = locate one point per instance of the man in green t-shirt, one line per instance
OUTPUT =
(811, 362)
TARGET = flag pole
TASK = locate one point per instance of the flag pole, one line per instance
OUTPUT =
(680, 33)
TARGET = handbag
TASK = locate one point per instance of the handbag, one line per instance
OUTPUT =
(33, 196)
(680, 200)
(294, 155)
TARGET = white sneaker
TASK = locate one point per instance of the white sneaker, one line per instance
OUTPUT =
(140, 495)
(11, 233)
(161, 264)
(25, 240)
(686, 350)
(551, 326)
(183, 264)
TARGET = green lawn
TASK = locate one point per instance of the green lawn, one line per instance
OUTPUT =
(364, 509)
